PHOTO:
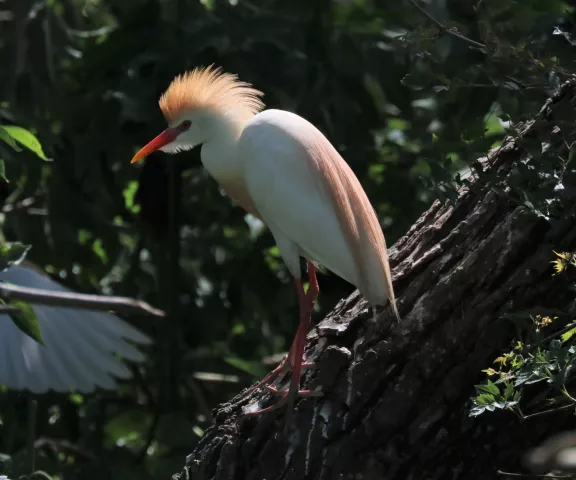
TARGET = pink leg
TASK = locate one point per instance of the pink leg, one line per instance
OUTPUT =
(287, 363)
(307, 302)
(296, 354)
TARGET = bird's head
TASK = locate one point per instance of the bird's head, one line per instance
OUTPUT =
(201, 105)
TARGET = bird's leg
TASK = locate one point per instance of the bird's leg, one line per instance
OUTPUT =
(296, 354)
(287, 362)
(307, 302)
(285, 365)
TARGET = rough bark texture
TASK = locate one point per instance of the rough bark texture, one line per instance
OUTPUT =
(396, 396)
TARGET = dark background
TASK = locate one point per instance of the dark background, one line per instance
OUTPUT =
(409, 108)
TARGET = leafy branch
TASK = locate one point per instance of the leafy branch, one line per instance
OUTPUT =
(448, 31)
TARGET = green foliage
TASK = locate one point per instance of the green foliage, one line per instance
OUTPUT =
(537, 375)
(492, 396)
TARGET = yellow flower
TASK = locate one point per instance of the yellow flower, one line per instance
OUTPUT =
(501, 360)
(559, 266)
(564, 255)
(564, 259)
(490, 372)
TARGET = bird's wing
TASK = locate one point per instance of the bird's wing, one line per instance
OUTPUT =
(80, 344)
(302, 187)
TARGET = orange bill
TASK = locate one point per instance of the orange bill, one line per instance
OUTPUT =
(166, 137)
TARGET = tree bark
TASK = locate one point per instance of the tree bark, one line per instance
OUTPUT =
(396, 395)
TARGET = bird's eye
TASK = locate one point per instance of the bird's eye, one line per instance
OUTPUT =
(185, 125)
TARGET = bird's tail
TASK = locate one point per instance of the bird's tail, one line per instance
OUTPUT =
(393, 307)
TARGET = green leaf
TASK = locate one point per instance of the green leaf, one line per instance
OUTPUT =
(568, 335)
(9, 140)
(485, 399)
(26, 320)
(76, 398)
(3, 171)
(130, 196)
(12, 253)
(489, 387)
(26, 139)
(509, 390)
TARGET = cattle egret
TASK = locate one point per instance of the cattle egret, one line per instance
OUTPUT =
(283, 170)
(80, 345)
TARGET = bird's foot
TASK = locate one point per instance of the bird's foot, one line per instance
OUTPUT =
(284, 394)
(283, 368)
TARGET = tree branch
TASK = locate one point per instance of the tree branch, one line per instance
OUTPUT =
(68, 299)
(445, 30)
(8, 309)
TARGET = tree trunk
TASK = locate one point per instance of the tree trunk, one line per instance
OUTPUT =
(396, 395)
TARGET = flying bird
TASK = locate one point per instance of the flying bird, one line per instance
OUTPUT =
(80, 346)
(284, 171)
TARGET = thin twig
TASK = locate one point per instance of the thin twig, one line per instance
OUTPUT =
(445, 30)
(215, 377)
(532, 475)
(546, 412)
(9, 309)
(79, 300)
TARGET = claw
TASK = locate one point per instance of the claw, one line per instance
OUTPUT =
(301, 393)
(284, 399)
(284, 367)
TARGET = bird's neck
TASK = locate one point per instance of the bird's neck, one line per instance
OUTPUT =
(220, 156)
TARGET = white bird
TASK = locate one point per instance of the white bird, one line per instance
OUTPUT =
(80, 345)
(284, 171)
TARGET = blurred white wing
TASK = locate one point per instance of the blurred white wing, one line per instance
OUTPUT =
(80, 344)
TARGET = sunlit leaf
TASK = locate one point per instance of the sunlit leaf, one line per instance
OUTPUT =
(12, 253)
(26, 139)
(26, 320)
(568, 335)
(129, 196)
(8, 139)
(76, 398)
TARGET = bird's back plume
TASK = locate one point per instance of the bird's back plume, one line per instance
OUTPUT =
(210, 89)
(358, 220)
